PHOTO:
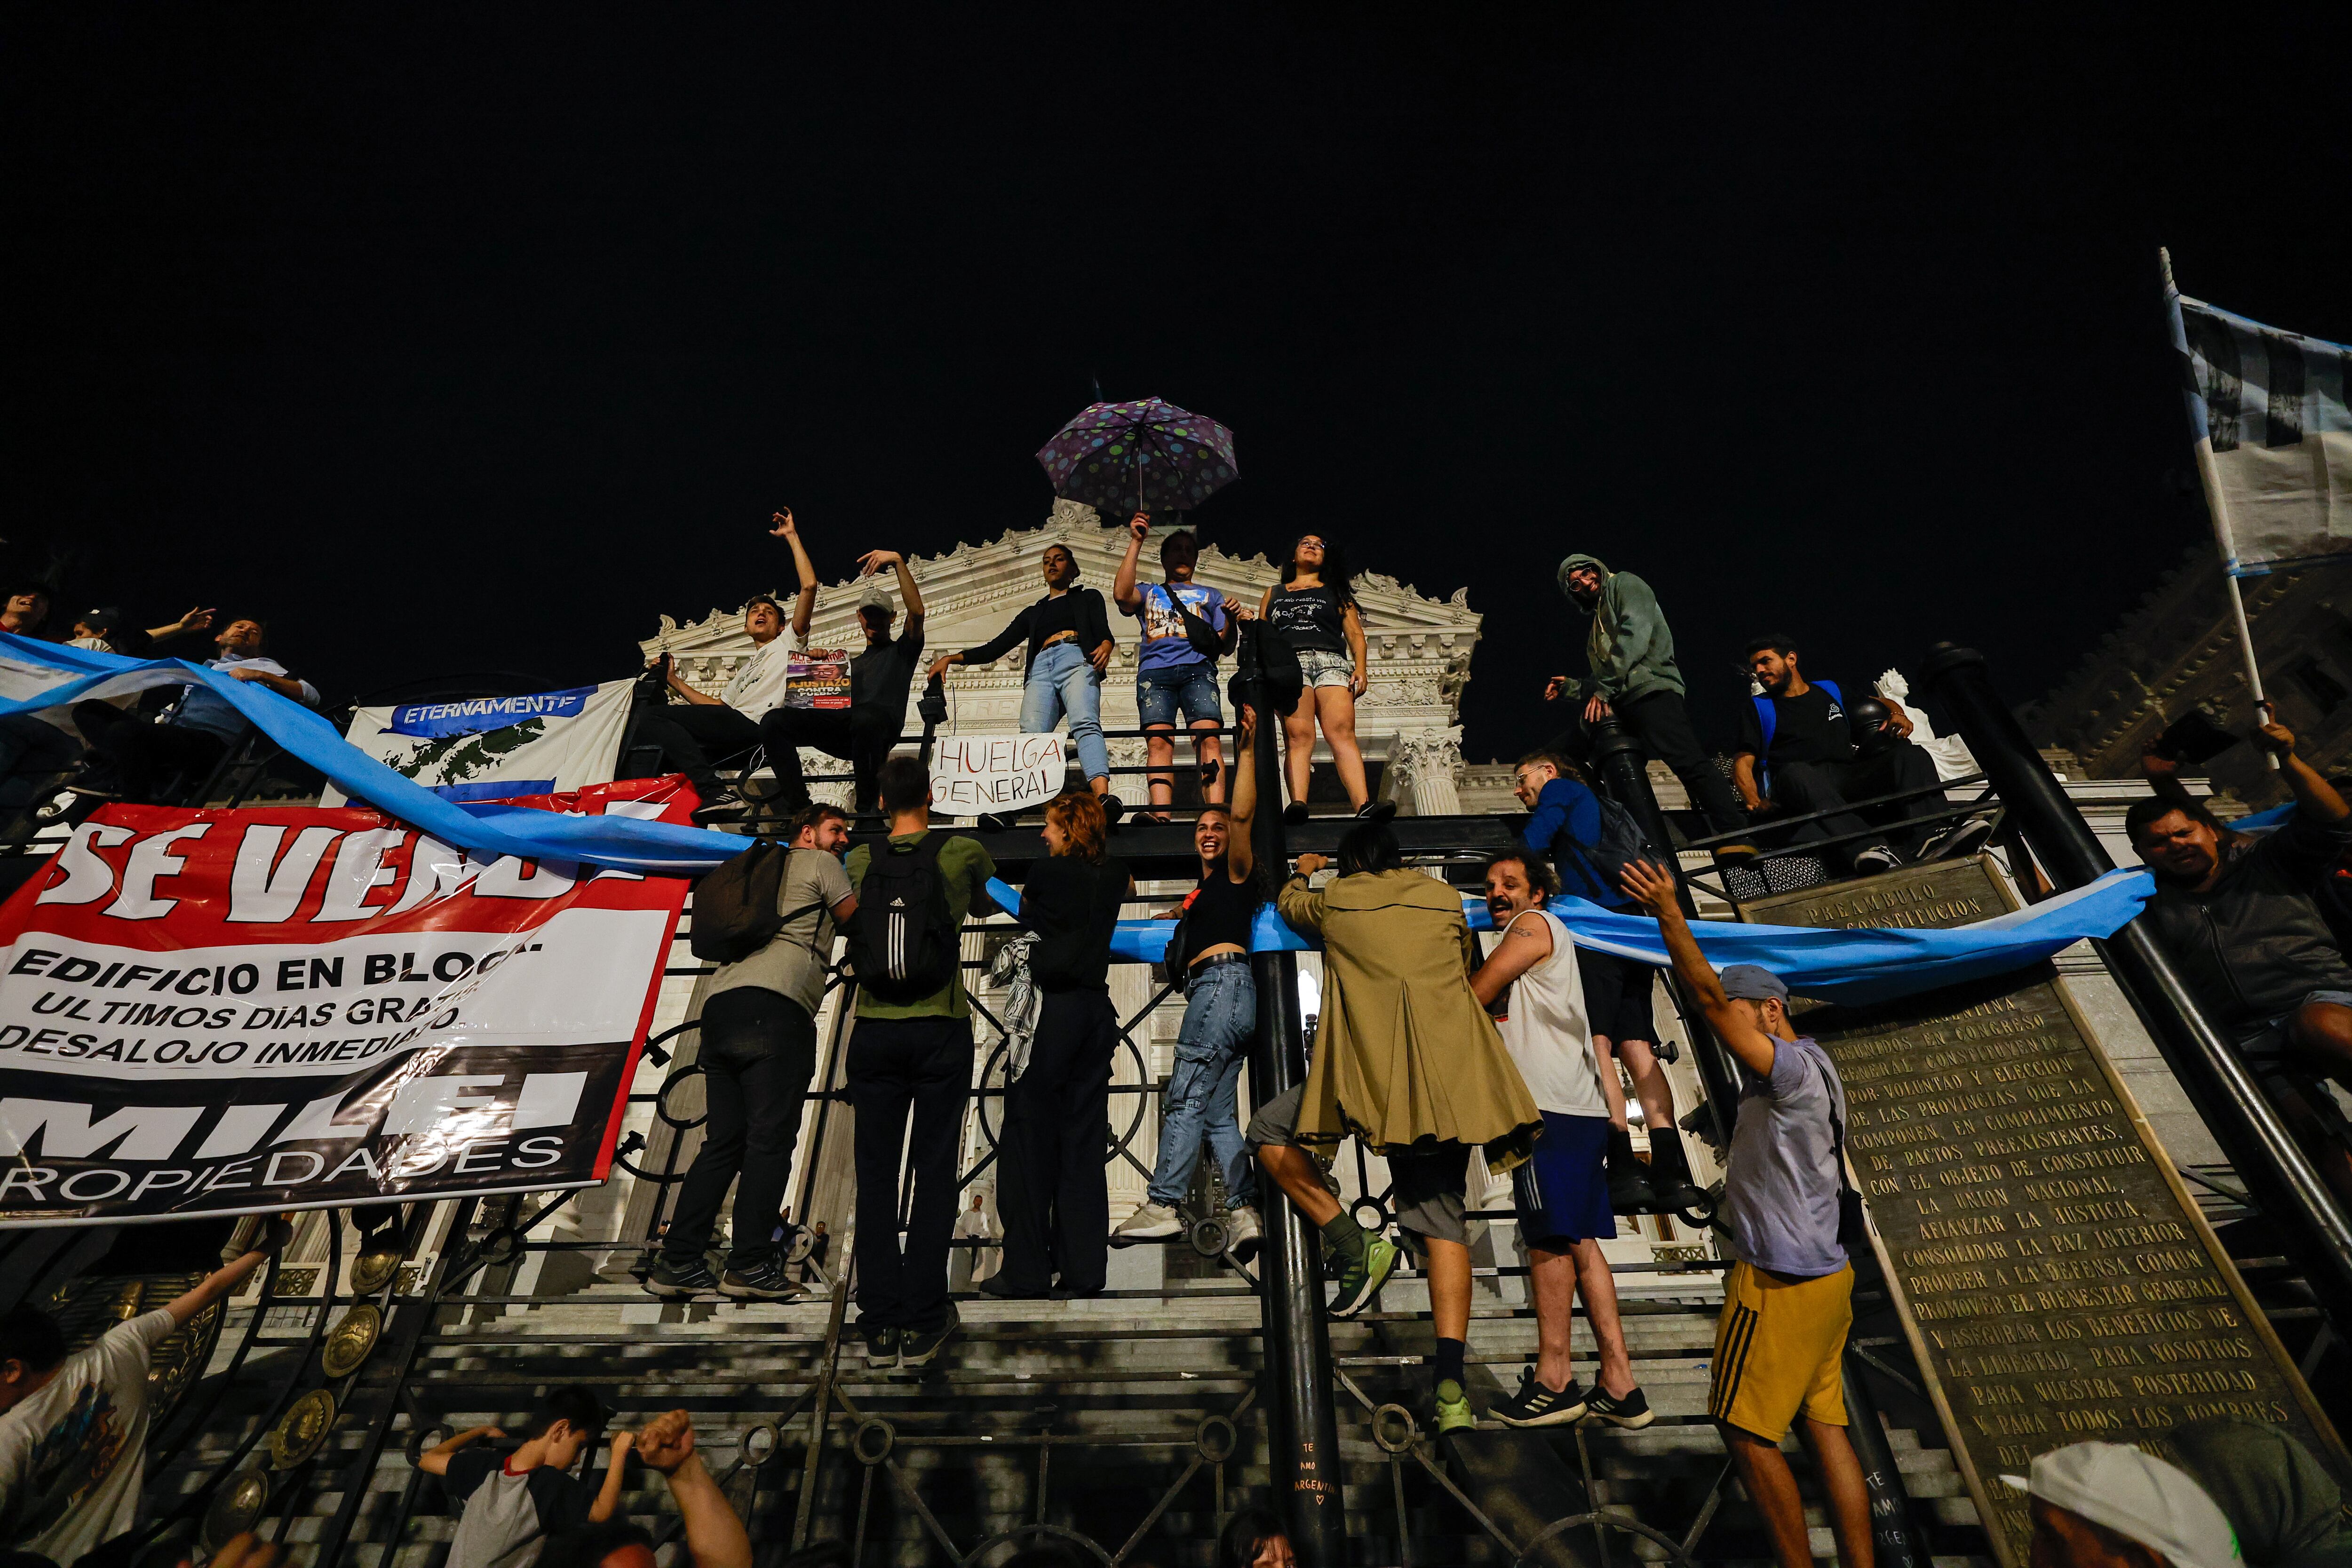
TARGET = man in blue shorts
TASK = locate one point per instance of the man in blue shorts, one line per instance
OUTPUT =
(1530, 983)
(1173, 675)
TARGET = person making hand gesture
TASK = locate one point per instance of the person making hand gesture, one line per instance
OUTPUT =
(1070, 645)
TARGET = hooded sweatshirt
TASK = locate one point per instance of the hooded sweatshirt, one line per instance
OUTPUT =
(1630, 649)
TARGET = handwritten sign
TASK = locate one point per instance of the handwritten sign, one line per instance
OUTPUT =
(973, 773)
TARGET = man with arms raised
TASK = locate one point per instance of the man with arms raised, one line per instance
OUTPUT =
(1562, 1191)
(880, 677)
(1788, 1301)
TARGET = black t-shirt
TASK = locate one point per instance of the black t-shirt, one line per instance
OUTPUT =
(1309, 618)
(1807, 729)
(1072, 906)
(1219, 910)
(880, 677)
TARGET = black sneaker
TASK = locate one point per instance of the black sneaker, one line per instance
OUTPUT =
(1627, 1409)
(763, 1281)
(1628, 1190)
(724, 805)
(681, 1281)
(1676, 1195)
(1536, 1406)
(917, 1347)
(1376, 811)
(882, 1347)
(1295, 813)
(1965, 837)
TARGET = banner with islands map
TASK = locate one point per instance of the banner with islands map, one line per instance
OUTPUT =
(492, 748)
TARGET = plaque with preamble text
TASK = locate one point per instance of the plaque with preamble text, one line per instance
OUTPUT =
(2055, 1276)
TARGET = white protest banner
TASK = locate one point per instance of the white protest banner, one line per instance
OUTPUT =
(236, 1012)
(973, 773)
(494, 747)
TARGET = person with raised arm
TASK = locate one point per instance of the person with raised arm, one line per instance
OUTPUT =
(1788, 1301)
(1184, 625)
(881, 679)
(1070, 645)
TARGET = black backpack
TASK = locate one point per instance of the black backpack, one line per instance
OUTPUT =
(735, 912)
(1622, 842)
(903, 940)
(1285, 683)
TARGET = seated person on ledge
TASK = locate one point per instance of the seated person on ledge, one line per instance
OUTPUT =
(2238, 915)
(1805, 748)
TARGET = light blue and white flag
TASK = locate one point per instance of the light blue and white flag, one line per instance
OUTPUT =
(494, 748)
(2268, 412)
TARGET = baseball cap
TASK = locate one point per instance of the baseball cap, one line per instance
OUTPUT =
(100, 621)
(2139, 1497)
(873, 595)
(1747, 982)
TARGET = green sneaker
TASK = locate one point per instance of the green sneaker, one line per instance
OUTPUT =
(1358, 1282)
(1454, 1412)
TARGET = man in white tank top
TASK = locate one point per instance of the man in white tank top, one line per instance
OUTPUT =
(1530, 984)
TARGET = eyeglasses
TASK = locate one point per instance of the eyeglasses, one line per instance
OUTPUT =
(1310, 539)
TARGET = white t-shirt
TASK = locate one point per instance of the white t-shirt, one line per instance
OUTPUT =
(759, 685)
(1546, 1031)
(74, 1456)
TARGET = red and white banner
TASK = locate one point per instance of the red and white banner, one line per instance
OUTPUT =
(234, 1012)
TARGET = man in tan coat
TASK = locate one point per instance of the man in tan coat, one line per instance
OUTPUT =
(1407, 1061)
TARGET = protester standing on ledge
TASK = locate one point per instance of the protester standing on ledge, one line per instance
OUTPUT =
(881, 677)
(1211, 951)
(1055, 1206)
(1406, 1060)
(1173, 674)
(700, 731)
(1068, 633)
(1788, 1301)
(1313, 608)
(1634, 678)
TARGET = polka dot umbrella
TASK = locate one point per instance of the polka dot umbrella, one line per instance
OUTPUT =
(1125, 458)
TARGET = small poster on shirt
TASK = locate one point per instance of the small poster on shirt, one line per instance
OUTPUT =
(818, 678)
(998, 774)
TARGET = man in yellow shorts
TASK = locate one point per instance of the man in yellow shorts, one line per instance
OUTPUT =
(1788, 1301)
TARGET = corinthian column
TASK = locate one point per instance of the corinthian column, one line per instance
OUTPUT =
(1428, 763)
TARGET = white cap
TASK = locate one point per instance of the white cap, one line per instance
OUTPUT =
(2139, 1497)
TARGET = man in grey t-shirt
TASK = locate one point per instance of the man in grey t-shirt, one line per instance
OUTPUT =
(758, 1056)
(1788, 1301)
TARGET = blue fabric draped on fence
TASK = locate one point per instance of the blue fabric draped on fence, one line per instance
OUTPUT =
(1852, 966)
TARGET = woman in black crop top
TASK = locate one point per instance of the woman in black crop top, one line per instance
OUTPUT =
(1212, 945)
(1315, 609)
(1070, 645)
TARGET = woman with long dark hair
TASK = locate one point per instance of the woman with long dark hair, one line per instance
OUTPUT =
(1313, 608)
(1055, 1208)
(1068, 633)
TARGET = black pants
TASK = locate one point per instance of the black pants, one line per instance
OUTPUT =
(758, 1055)
(144, 754)
(1052, 1195)
(1802, 787)
(1663, 725)
(862, 737)
(693, 736)
(896, 1064)
(32, 753)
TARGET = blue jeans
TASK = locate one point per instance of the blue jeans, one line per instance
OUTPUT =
(1219, 1016)
(1061, 681)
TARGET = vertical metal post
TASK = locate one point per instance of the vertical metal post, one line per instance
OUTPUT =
(1893, 1535)
(1618, 757)
(2281, 1177)
(1304, 1461)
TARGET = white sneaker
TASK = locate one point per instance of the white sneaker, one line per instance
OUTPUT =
(1875, 859)
(1152, 1222)
(1243, 1235)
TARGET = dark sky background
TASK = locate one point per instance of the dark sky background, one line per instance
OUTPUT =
(456, 341)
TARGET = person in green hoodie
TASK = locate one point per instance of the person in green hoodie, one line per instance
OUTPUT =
(1634, 678)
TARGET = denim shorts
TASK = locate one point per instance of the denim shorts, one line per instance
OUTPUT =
(1163, 690)
(2265, 1044)
(1321, 667)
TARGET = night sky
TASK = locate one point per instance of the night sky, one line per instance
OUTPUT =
(461, 341)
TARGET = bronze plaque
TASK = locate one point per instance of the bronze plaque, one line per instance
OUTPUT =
(2055, 1278)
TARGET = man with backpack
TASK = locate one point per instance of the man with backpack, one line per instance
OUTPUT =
(912, 1051)
(758, 1055)
(1187, 625)
(1589, 840)
(1808, 749)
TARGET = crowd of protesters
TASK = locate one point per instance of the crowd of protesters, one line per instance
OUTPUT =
(1451, 1057)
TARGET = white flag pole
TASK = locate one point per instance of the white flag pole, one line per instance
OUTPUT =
(2209, 474)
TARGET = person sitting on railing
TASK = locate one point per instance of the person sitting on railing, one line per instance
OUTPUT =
(1070, 645)
(1801, 751)
(881, 675)
(1634, 678)
(1788, 1301)
(1056, 1207)
(1211, 953)
(2239, 915)
(197, 733)
(1569, 823)
(758, 1055)
(32, 750)
(73, 1427)
(1562, 1193)
(1406, 1060)
(699, 729)
(513, 1503)
(1174, 671)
